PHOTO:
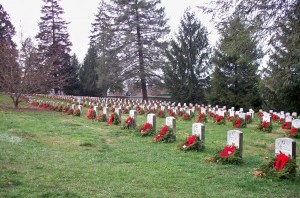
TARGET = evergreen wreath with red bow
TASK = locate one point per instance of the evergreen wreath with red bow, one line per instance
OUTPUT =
(265, 126)
(145, 130)
(229, 155)
(166, 135)
(129, 123)
(279, 167)
(294, 132)
(193, 143)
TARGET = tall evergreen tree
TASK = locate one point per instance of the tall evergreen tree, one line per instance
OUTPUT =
(142, 26)
(281, 87)
(73, 87)
(87, 76)
(186, 73)
(54, 43)
(105, 42)
(235, 80)
(260, 14)
(7, 30)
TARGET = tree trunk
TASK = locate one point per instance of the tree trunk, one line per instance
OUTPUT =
(141, 59)
(16, 103)
(56, 91)
(15, 99)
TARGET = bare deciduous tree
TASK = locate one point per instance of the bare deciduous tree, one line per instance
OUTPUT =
(23, 73)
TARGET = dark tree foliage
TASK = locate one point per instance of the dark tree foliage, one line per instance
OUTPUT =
(141, 26)
(104, 38)
(262, 15)
(87, 76)
(186, 73)
(73, 86)
(281, 88)
(235, 80)
(54, 43)
(9, 70)
(7, 30)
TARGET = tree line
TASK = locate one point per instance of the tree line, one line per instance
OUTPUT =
(130, 45)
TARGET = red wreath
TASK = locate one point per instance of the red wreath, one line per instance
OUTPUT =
(200, 117)
(265, 124)
(191, 140)
(228, 150)
(293, 131)
(129, 120)
(162, 133)
(111, 119)
(287, 125)
(146, 126)
(281, 161)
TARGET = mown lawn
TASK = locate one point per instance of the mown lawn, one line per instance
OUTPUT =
(50, 154)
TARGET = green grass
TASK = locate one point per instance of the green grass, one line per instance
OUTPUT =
(50, 154)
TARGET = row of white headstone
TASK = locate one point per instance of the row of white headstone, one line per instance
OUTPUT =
(163, 105)
(234, 137)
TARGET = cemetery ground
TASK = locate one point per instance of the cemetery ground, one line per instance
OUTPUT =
(51, 154)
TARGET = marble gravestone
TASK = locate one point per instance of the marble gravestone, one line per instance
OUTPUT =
(199, 130)
(235, 137)
(286, 146)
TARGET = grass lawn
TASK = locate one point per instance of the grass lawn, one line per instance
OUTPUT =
(51, 154)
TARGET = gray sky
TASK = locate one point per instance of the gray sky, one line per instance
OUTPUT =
(25, 16)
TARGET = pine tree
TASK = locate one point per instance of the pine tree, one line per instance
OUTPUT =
(7, 30)
(235, 80)
(87, 75)
(105, 42)
(281, 87)
(260, 14)
(54, 43)
(186, 73)
(142, 27)
(73, 87)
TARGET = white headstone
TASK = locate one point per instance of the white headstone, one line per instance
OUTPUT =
(133, 114)
(151, 118)
(221, 113)
(235, 137)
(188, 111)
(288, 119)
(296, 123)
(250, 114)
(266, 118)
(96, 110)
(286, 146)
(105, 110)
(171, 122)
(242, 115)
(199, 130)
(80, 109)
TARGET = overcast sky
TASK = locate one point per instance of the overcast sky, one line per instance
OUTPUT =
(25, 16)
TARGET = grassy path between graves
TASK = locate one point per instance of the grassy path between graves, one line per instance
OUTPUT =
(50, 154)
